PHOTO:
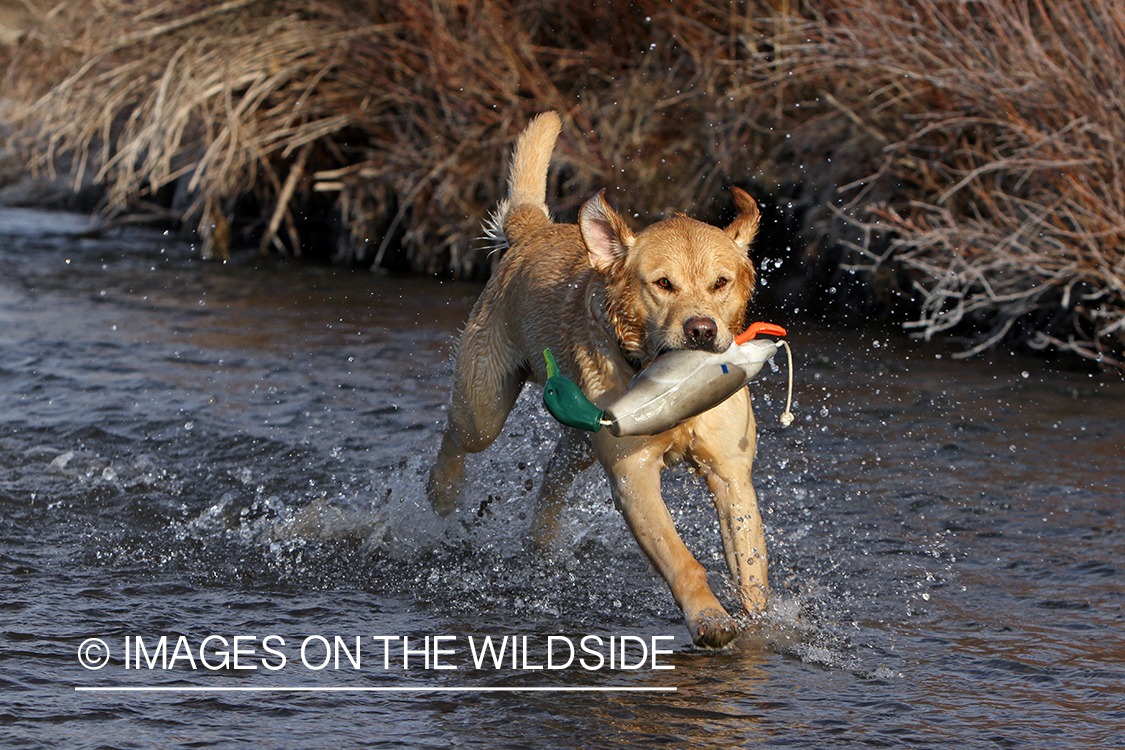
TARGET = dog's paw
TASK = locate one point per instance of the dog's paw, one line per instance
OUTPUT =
(713, 629)
(443, 494)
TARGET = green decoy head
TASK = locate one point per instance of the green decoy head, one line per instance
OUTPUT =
(565, 400)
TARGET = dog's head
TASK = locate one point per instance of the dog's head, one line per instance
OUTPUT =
(678, 284)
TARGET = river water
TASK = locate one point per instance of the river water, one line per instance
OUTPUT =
(209, 453)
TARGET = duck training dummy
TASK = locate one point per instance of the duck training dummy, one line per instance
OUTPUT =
(675, 387)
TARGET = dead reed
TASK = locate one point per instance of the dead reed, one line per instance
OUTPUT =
(401, 113)
(1000, 177)
(973, 148)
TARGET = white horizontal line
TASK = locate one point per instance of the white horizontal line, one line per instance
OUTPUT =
(325, 689)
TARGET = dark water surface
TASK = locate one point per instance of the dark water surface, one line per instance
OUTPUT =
(191, 451)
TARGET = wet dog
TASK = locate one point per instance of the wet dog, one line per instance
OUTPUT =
(607, 301)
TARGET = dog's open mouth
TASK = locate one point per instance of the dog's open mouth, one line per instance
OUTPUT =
(711, 346)
(714, 345)
(689, 346)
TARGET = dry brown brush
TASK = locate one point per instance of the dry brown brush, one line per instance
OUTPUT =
(1000, 185)
(399, 114)
(966, 155)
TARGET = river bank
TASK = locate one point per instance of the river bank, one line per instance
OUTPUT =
(951, 166)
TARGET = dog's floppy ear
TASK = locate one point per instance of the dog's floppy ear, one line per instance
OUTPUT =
(607, 238)
(743, 228)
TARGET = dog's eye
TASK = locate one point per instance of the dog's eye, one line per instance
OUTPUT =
(720, 283)
(664, 283)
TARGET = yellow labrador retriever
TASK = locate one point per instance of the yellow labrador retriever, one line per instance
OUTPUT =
(607, 301)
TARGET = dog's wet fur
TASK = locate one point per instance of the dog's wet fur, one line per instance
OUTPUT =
(606, 302)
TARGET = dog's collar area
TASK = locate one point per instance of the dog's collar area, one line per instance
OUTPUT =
(598, 306)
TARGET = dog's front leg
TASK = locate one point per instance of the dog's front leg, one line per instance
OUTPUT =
(723, 448)
(444, 485)
(634, 467)
(744, 539)
(572, 455)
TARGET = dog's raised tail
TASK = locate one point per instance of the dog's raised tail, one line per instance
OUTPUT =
(527, 176)
(527, 180)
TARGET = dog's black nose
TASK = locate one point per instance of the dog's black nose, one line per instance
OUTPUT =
(700, 331)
